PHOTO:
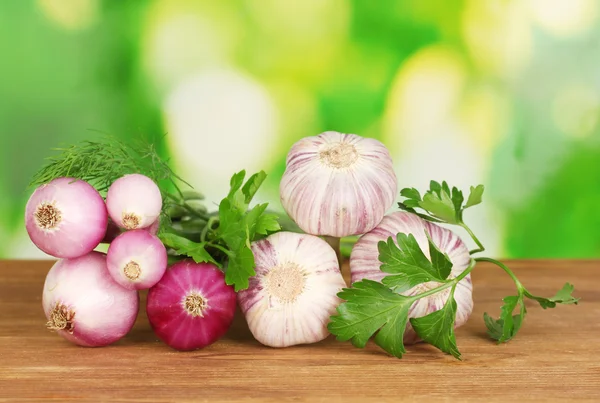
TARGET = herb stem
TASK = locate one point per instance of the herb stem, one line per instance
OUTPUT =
(187, 207)
(451, 283)
(503, 267)
(219, 247)
(480, 247)
(208, 227)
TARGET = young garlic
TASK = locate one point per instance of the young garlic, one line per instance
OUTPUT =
(338, 184)
(365, 264)
(294, 292)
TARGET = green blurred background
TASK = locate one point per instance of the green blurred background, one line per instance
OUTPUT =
(499, 92)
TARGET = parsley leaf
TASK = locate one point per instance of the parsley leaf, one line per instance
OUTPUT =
(563, 296)
(371, 308)
(442, 203)
(184, 246)
(507, 326)
(229, 240)
(252, 186)
(408, 265)
(413, 197)
(457, 200)
(475, 196)
(440, 206)
(437, 328)
(238, 227)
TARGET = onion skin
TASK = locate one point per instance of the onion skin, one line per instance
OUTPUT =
(136, 259)
(312, 279)
(81, 218)
(104, 312)
(166, 308)
(365, 264)
(134, 202)
(338, 184)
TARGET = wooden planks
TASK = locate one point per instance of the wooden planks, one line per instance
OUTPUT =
(555, 357)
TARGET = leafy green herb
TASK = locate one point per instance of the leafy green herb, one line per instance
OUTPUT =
(227, 236)
(105, 160)
(408, 264)
(378, 309)
(443, 205)
(508, 325)
(437, 328)
(184, 246)
(475, 196)
(238, 227)
(372, 308)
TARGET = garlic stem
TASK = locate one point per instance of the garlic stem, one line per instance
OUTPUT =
(335, 243)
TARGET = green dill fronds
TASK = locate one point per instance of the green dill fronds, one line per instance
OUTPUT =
(102, 162)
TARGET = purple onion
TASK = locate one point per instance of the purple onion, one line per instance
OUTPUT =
(66, 218)
(191, 307)
(134, 202)
(85, 305)
(137, 259)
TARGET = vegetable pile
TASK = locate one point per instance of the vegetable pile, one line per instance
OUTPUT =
(410, 277)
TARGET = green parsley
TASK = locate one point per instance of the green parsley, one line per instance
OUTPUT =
(227, 236)
(379, 310)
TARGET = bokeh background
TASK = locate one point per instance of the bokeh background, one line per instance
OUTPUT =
(499, 92)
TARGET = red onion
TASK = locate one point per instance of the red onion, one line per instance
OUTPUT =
(66, 218)
(191, 307)
(137, 259)
(85, 305)
(134, 201)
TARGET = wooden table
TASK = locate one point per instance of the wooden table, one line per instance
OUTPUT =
(555, 357)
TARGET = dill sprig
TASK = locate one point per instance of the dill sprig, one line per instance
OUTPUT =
(102, 162)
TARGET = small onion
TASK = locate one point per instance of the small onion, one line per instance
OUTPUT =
(191, 307)
(85, 305)
(338, 184)
(134, 202)
(137, 259)
(294, 292)
(66, 218)
(365, 264)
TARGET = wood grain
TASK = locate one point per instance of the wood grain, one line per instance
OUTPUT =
(555, 357)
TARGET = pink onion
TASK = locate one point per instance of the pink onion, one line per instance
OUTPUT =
(85, 305)
(66, 218)
(365, 264)
(134, 201)
(191, 307)
(137, 259)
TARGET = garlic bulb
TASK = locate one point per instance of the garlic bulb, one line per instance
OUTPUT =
(294, 292)
(338, 184)
(365, 264)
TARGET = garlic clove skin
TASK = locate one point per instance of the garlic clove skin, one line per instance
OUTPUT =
(338, 184)
(294, 292)
(365, 264)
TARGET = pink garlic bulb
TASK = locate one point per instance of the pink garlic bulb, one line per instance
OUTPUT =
(294, 292)
(338, 184)
(365, 264)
